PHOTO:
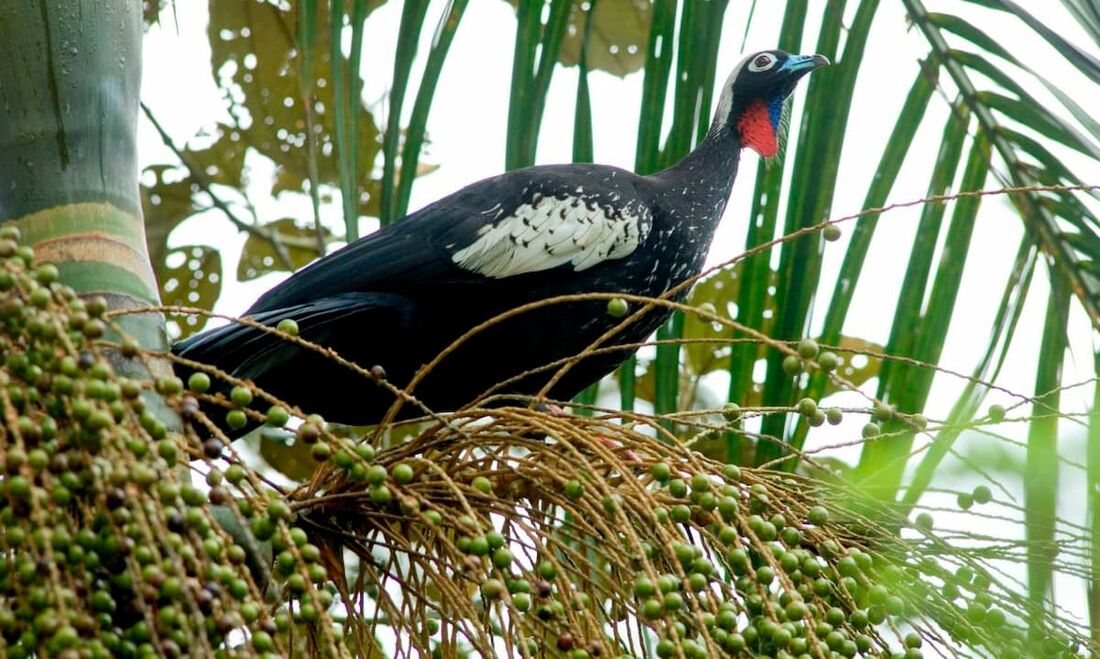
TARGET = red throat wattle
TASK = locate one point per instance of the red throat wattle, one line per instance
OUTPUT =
(756, 130)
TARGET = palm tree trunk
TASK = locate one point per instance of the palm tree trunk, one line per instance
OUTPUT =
(69, 94)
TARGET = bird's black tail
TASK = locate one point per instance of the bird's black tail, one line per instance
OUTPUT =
(357, 326)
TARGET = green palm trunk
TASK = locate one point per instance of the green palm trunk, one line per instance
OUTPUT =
(68, 157)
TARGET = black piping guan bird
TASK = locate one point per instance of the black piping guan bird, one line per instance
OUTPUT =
(397, 297)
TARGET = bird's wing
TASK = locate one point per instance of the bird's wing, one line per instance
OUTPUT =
(554, 228)
(526, 221)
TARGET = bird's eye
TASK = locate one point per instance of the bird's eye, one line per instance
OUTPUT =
(762, 62)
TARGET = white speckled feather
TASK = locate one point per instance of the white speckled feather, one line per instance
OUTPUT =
(551, 232)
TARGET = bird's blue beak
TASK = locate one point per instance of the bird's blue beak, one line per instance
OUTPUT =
(803, 63)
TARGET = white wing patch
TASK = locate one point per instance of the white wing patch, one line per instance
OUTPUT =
(550, 232)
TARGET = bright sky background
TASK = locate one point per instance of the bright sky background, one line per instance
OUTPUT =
(467, 127)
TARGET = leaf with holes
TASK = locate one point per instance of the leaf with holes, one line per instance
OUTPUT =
(288, 457)
(164, 204)
(859, 362)
(617, 42)
(189, 276)
(258, 256)
(720, 290)
(260, 76)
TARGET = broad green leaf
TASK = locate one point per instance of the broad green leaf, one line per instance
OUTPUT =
(655, 87)
(412, 20)
(1093, 503)
(883, 462)
(1085, 61)
(1087, 14)
(425, 94)
(819, 147)
(971, 33)
(966, 407)
(982, 65)
(1041, 473)
(1032, 116)
(909, 120)
(766, 200)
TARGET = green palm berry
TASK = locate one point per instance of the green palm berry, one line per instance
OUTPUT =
(828, 361)
(262, 641)
(320, 452)
(547, 570)
(617, 307)
(365, 451)
(797, 610)
(380, 495)
(895, 605)
(668, 583)
(375, 475)
(924, 522)
(660, 471)
(807, 407)
(236, 419)
(288, 326)
(403, 473)
(241, 396)
(792, 365)
(492, 589)
(982, 494)
(765, 575)
(883, 413)
(521, 602)
(728, 507)
(818, 418)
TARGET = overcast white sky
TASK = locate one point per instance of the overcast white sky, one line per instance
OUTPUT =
(467, 127)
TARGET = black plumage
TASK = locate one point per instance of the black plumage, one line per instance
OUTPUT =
(399, 296)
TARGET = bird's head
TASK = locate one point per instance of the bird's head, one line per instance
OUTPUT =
(752, 100)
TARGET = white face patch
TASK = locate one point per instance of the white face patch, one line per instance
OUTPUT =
(725, 100)
(550, 232)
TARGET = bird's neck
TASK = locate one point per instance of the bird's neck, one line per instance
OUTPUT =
(699, 185)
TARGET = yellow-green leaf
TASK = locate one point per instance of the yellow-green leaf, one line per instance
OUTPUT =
(189, 276)
(258, 257)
